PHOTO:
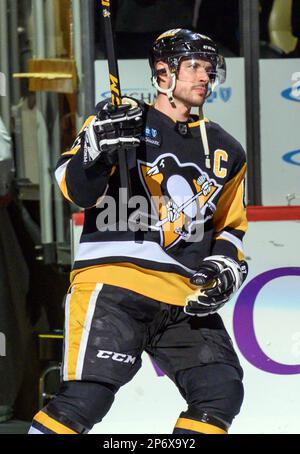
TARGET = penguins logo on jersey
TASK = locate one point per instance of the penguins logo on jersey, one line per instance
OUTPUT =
(181, 195)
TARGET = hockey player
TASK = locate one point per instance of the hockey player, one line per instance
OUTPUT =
(157, 289)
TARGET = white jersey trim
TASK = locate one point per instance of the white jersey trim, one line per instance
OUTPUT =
(60, 172)
(233, 239)
(148, 250)
(66, 335)
(34, 431)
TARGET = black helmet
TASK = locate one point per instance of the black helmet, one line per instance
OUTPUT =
(173, 45)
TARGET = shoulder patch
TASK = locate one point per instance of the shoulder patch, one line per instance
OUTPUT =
(152, 136)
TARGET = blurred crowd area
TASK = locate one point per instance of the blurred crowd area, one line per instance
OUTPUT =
(138, 22)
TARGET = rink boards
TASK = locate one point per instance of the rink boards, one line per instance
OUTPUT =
(263, 321)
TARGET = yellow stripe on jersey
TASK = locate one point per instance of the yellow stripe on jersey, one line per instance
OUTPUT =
(80, 307)
(162, 286)
(63, 183)
(87, 122)
(72, 151)
(64, 189)
(52, 424)
(240, 255)
(61, 170)
(230, 210)
(197, 426)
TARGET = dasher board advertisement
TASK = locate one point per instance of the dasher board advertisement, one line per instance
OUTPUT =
(263, 322)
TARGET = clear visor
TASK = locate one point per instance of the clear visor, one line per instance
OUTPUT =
(202, 65)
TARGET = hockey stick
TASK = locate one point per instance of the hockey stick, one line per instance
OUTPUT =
(181, 207)
(115, 88)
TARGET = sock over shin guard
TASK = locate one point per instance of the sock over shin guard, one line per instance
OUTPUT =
(200, 423)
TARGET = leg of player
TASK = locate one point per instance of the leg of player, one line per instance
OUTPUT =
(214, 394)
(75, 410)
(102, 352)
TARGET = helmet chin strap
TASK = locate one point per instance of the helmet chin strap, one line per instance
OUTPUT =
(166, 91)
(203, 133)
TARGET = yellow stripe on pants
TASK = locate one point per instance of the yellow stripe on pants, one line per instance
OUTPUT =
(80, 307)
(198, 426)
(52, 424)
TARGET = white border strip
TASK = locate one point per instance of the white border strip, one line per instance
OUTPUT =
(66, 335)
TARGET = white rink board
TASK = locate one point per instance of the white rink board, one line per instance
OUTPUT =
(279, 112)
(280, 122)
(151, 404)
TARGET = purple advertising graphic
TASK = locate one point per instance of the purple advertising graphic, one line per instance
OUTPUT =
(243, 323)
(244, 329)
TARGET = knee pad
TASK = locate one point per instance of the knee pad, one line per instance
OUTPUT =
(216, 390)
(223, 400)
(79, 405)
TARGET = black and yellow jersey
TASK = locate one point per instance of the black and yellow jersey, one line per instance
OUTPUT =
(185, 210)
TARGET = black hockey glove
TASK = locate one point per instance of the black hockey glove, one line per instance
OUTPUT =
(219, 277)
(114, 127)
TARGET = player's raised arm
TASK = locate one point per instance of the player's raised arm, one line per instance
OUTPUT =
(83, 172)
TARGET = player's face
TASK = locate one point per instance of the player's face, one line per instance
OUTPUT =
(192, 81)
